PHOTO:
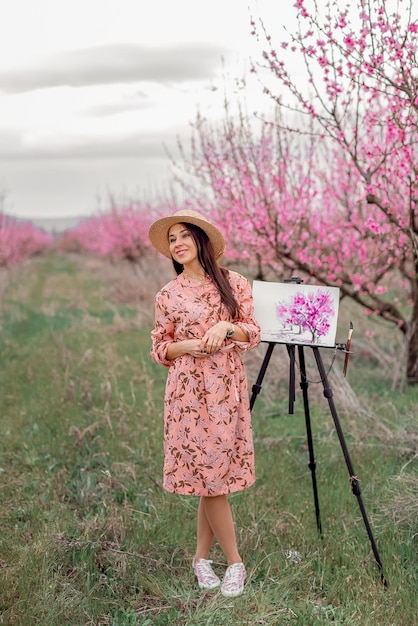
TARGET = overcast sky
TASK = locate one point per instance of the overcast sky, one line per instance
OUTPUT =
(92, 90)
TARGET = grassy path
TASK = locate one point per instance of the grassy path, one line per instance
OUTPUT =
(88, 537)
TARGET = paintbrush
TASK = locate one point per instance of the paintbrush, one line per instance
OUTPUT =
(348, 346)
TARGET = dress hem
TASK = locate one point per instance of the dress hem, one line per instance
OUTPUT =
(209, 495)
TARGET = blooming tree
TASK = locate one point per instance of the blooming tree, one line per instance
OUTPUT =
(280, 213)
(329, 187)
(361, 95)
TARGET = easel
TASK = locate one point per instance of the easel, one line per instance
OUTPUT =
(291, 348)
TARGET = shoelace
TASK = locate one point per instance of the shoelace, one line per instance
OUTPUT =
(204, 570)
(235, 575)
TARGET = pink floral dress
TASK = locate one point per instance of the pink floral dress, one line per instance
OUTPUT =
(208, 443)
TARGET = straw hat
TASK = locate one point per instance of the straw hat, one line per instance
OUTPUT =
(158, 232)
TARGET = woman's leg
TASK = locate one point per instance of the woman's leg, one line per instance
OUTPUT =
(205, 535)
(215, 514)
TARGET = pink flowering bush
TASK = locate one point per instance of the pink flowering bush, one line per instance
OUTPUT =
(120, 233)
(20, 240)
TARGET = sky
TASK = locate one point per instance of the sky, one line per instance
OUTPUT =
(93, 92)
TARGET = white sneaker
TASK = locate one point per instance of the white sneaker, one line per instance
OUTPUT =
(233, 582)
(205, 575)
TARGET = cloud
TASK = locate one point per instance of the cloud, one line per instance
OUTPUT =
(116, 63)
(141, 101)
(116, 108)
(124, 146)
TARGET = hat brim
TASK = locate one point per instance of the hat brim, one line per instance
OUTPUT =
(158, 233)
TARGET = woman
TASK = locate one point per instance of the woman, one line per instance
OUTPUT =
(203, 321)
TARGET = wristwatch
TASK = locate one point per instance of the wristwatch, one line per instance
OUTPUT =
(230, 332)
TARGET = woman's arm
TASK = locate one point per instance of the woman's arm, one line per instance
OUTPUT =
(246, 329)
(245, 322)
(164, 348)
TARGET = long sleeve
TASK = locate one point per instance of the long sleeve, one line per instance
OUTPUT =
(246, 320)
(163, 333)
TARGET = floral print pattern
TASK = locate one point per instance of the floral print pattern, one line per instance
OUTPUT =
(208, 443)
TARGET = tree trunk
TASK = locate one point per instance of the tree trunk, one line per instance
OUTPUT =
(412, 345)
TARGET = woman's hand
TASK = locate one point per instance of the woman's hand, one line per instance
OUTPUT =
(194, 347)
(212, 341)
(214, 337)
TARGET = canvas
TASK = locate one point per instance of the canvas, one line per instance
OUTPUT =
(296, 314)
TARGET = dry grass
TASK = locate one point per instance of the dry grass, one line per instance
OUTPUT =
(402, 500)
(89, 537)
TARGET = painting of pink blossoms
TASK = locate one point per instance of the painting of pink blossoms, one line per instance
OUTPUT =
(296, 313)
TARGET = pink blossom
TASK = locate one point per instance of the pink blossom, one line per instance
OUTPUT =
(373, 225)
(342, 22)
(349, 42)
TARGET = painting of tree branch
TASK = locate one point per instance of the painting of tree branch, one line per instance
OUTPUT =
(295, 313)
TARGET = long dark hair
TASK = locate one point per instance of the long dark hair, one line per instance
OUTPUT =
(217, 274)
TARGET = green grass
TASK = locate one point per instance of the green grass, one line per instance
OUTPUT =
(87, 535)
